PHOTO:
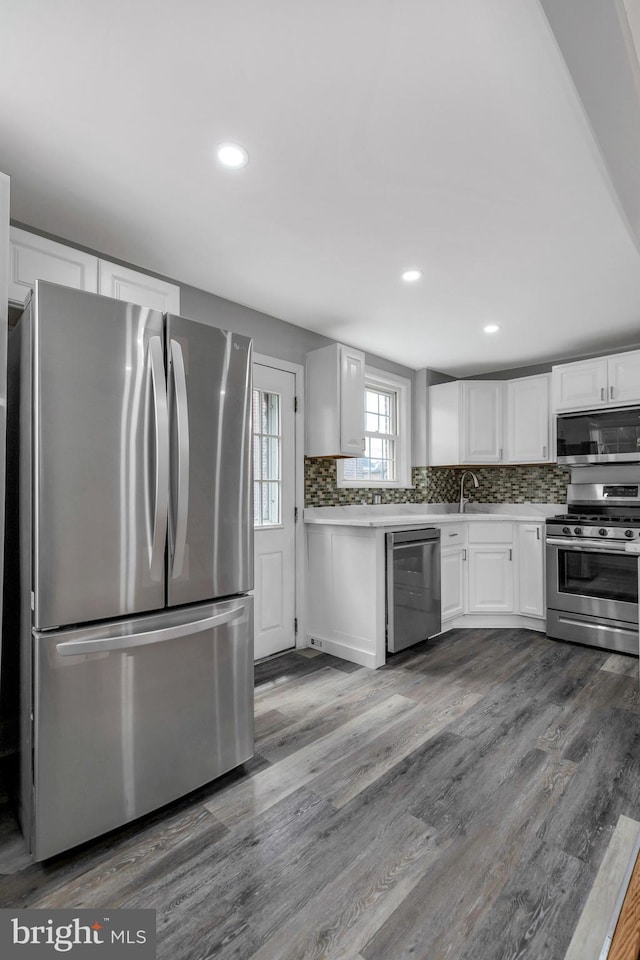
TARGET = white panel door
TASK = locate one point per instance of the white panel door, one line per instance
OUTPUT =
(274, 506)
(121, 283)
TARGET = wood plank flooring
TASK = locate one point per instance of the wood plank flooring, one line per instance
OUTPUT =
(454, 805)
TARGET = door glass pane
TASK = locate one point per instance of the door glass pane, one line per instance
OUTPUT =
(267, 452)
(601, 575)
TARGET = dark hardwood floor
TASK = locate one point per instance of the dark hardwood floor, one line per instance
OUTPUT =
(455, 804)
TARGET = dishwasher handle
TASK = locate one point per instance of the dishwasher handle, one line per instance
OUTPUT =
(400, 537)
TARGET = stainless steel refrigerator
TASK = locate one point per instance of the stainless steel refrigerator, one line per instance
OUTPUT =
(136, 555)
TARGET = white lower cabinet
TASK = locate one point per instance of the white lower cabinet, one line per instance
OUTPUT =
(491, 566)
(491, 579)
(531, 601)
(452, 582)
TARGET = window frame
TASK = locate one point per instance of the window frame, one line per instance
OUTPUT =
(377, 379)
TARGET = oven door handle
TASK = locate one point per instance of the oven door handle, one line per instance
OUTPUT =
(587, 546)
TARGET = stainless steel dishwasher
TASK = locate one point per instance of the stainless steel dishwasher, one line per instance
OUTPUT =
(413, 587)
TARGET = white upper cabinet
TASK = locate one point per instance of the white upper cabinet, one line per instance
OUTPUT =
(465, 422)
(605, 381)
(482, 402)
(528, 422)
(335, 402)
(624, 377)
(581, 384)
(36, 258)
(121, 283)
(490, 421)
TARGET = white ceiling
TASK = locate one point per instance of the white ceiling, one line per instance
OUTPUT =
(383, 134)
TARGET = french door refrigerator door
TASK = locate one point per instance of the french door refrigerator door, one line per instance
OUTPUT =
(131, 715)
(210, 516)
(100, 448)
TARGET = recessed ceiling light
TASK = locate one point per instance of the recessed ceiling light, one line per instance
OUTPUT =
(232, 155)
(410, 276)
(492, 328)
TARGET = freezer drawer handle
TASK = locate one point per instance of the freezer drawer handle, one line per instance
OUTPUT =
(179, 527)
(74, 648)
(161, 501)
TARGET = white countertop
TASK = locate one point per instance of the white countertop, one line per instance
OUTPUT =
(423, 514)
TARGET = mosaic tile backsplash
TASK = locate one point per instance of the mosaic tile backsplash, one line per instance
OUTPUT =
(501, 484)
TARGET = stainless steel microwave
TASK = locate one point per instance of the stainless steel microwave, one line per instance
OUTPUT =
(599, 436)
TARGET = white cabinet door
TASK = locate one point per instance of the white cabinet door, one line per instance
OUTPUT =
(121, 283)
(482, 420)
(351, 401)
(36, 258)
(335, 402)
(531, 569)
(581, 384)
(491, 579)
(528, 420)
(452, 582)
(624, 378)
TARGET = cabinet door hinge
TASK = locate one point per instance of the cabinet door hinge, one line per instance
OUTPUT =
(295, 404)
(295, 626)
(295, 514)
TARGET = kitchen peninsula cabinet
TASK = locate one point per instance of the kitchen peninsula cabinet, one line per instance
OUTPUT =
(492, 575)
(38, 258)
(334, 402)
(603, 382)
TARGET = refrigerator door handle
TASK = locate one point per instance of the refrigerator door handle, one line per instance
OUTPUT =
(74, 648)
(161, 493)
(182, 422)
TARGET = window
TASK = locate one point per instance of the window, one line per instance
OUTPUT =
(267, 473)
(387, 424)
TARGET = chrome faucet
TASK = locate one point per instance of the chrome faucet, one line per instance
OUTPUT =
(464, 499)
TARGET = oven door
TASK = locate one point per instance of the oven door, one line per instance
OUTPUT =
(593, 578)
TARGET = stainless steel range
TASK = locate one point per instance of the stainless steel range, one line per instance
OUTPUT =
(592, 583)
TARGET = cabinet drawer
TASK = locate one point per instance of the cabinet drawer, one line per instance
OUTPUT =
(452, 534)
(490, 532)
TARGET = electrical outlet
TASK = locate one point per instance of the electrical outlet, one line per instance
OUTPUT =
(316, 643)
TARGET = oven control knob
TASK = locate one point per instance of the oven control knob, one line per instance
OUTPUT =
(603, 532)
(578, 530)
(566, 530)
(628, 533)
